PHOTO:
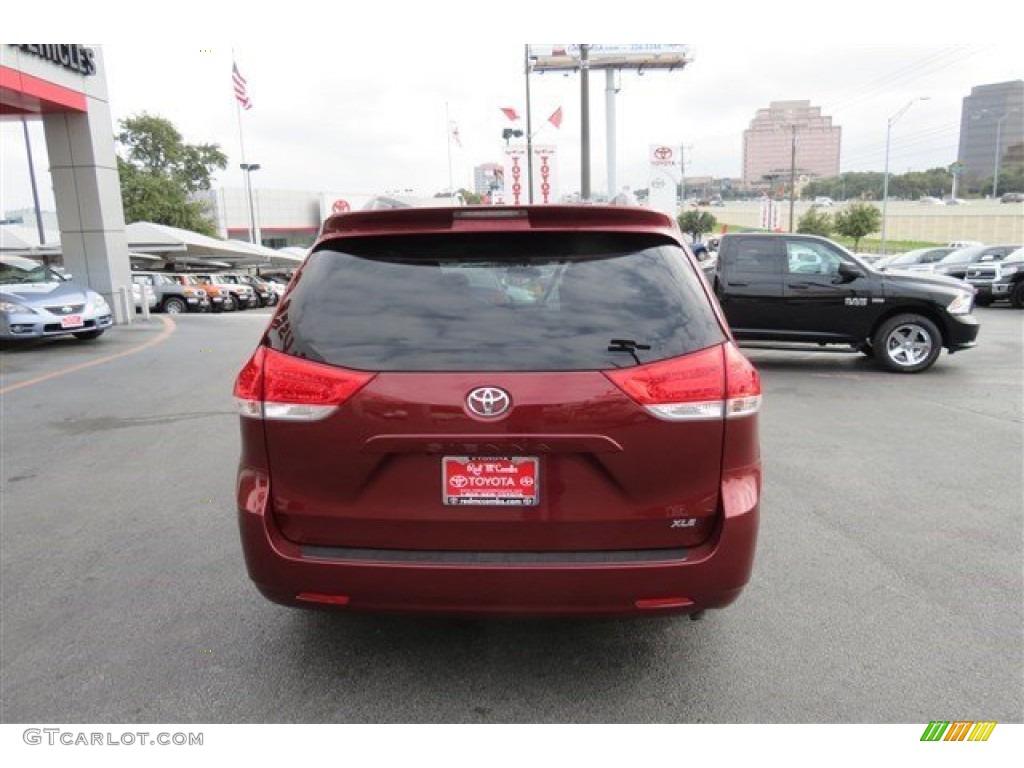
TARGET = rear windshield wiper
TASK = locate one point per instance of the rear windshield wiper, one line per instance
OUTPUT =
(628, 345)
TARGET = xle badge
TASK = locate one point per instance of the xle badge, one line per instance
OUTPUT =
(684, 523)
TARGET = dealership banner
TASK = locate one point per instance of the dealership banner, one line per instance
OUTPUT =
(770, 217)
(546, 188)
(663, 178)
(545, 175)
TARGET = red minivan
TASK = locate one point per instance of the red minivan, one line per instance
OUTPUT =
(532, 410)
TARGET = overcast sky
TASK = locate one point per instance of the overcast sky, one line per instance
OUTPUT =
(344, 101)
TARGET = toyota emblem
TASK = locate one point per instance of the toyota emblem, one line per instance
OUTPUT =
(488, 402)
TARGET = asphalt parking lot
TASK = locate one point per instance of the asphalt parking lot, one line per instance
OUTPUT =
(888, 585)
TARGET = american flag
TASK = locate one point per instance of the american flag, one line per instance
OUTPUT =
(241, 92)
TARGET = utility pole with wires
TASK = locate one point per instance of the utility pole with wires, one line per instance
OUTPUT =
(529, 131)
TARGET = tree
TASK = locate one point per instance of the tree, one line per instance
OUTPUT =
(858, 220)
(696, 223)
(815, 222)
(159, 171)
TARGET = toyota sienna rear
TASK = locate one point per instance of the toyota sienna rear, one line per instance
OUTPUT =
(523, 410)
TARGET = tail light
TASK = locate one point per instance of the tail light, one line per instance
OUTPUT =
(276, 386)
(742, 384)
(708, 384)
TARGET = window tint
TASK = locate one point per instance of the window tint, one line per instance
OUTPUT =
(509, 301)
(937, 255)
(757, 256)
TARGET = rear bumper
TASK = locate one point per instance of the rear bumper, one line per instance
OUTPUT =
(709, 576)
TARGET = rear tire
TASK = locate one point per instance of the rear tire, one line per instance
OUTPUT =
(1017, 296)
(174, 306)
(907, 344)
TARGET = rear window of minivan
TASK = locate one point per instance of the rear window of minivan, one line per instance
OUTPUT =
(496, 302)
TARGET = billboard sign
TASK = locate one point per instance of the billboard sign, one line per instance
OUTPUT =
(610, 56)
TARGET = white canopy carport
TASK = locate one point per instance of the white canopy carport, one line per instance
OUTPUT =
(175, 244)
(24, 241)
(272, 257)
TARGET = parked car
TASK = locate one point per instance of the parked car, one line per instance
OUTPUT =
(236, 294)
(1012, 197)
(514, 410)
(930, 201)
(808, 293)
(823, 202)
(1000, 280)
(957, 263)
(36, 302)
(175, 293)
(138, 291)
(918, 260)
(278, 281)
(266, 296)
(869, 258)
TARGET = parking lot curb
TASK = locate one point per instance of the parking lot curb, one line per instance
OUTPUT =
(169, 327)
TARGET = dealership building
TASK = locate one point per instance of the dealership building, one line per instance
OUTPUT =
(285, 218)
(65, 86)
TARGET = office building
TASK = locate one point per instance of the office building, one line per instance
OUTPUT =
(991, 130)
(768, 144)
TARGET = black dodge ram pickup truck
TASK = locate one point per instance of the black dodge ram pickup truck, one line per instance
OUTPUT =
(806, 290)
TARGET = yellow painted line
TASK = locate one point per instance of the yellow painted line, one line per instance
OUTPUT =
(164, 334)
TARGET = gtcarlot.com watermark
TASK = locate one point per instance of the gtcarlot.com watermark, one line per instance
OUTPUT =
(57, 736)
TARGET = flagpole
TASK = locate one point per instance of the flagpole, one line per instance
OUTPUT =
(245, 173)
(448, 131)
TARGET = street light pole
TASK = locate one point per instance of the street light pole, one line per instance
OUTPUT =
(999, 134)
(995, 164)
(682, 174)
(792, 179)
(249, 168)
(885, 182)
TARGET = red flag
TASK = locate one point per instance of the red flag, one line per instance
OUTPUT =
(241, 91)
(556, 118)
(510, 113)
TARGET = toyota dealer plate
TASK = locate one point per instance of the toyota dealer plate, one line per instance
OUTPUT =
(490, 481)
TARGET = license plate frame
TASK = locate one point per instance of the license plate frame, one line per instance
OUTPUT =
(72, 321)
(490, 481)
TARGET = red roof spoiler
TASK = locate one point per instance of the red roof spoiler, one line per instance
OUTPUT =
(405, 221)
